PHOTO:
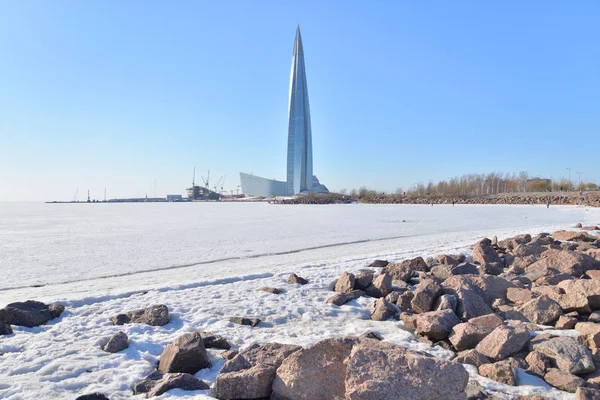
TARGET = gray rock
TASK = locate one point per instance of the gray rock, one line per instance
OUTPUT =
(229, 354)
(29, 313)
(158, 383)
(384, 371)
(404, 301)
(446, 302)
(378, 264)
(493, 268)
(471, 305)
(567, 354)
(185, 354)
(464, 268)
(542, 310)
(92, 396)
(363, 280)
(270, 290)
(5, 328)
(156, 315)
(245, 321)
(119, 341)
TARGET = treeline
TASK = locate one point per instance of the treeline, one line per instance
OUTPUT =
(480, 185)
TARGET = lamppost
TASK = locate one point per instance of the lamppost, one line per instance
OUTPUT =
(570, 185)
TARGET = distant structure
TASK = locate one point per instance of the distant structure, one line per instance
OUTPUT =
(300, 178)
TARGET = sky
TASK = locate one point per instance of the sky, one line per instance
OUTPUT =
(120, 95)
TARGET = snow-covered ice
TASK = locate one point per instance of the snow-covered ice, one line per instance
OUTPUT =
(206, 262)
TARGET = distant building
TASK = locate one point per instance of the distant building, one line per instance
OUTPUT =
(174, 197)
(300, 178)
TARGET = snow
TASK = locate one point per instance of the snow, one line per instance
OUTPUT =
(205, 261)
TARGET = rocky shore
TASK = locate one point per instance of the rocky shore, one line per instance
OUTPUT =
(525, 304)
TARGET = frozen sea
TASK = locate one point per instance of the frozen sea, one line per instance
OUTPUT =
(205, 261)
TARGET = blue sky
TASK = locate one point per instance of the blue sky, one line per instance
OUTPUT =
(115, 94)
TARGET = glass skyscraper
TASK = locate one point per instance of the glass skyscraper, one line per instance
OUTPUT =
(300, 178)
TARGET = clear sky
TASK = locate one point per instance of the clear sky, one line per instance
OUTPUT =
(116, 94)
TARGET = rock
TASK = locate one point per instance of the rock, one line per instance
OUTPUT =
(380, 287)
(490, 288)
(594, 317)
(468, 334)
(250, 374)
(502, 371)
(583, 393)
(345, 284)
(590, 333)
(512, 243)
(542, 310)
(567, 354)
(503, 342)
(578, 225)
(399, 272)
(416, 264)
(472, 357)
(474, 391)
(371, 335)
(518, 295)
(270, 290)
(157, 315)
(566, 322)
(424, 296)
(340, 299)
(245, 321)
(442, 271)
(573, 301)
(526, 250)
(296, 279)
(382, 310)
(392, 297)
(446, 302)
(5, 328)
(363, 280)
(484, 253)
(570, 236)
(158, 383)
(495, 268)
(92, 396)
(384, 371)
(464, 268)
(404, 301)
(436, 325)
(471, 305)
(450, 259)
(119, 341)
(586, 287)
(213, 341)
(563, 380)
(567, 262)
(538, 363)
(229, 354)
(185, 354)
(318, 372)
(29, 313)
(409, 319)
(379, 264)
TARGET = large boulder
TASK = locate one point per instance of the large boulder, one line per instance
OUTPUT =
(590, 334)
(382, 310)
(484, 253)
(570, 236)
(30, 313)
(538, 363)
(363, 280)
(590, 288)
(156, 315)
(436, 325)
(471, 305)
(384, 371)
(541, 310)
(450, 259)
(315, 373)
(213, 341)
(186, 354)
(472, 357)
(503, 342)
(567, 354)
(566, 262)
(295, 279)
(345, 284)
(468, 334)
(5, 328)
(158, 383)
(425, 295)
(119, 341)
(380, 287)
(250, 374)
(488, 287)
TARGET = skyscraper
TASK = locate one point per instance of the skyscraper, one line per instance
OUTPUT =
(299, 155)
(300, 178)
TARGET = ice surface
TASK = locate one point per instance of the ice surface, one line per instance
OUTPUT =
(206, 262)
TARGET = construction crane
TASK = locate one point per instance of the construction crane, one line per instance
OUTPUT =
(206, 181)
(223, 183)
(219, 183)
(75, 197)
